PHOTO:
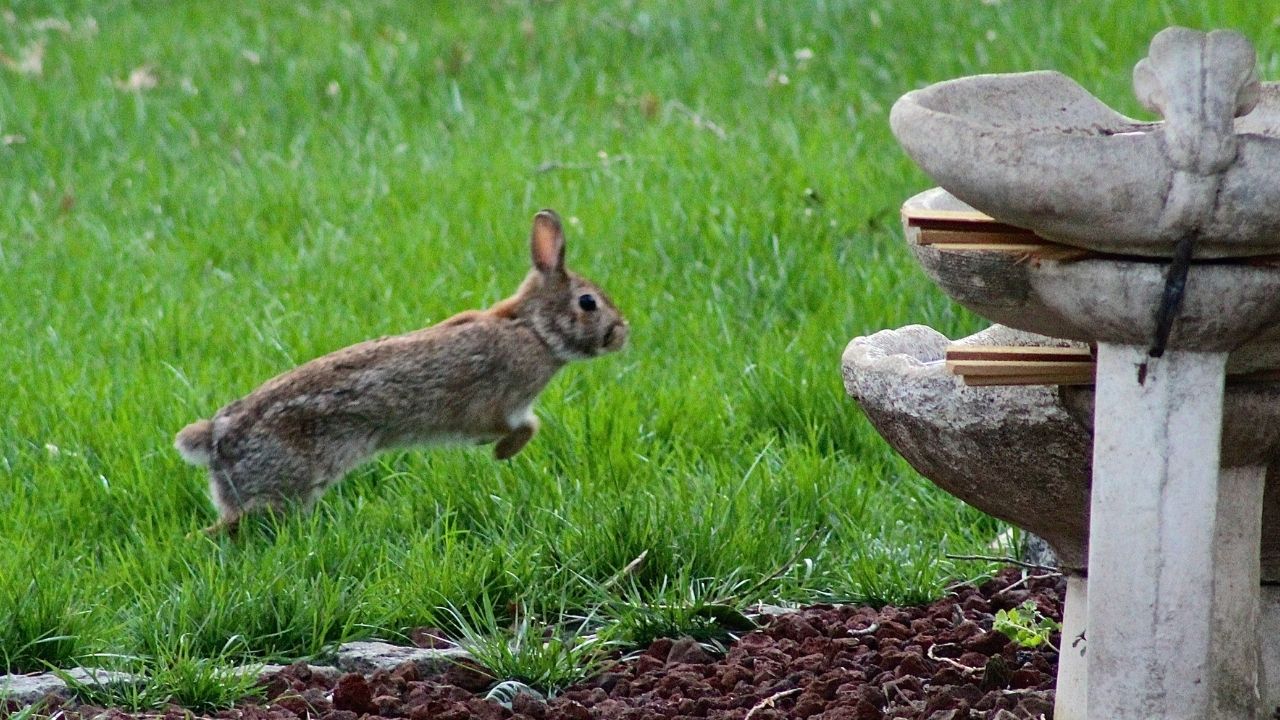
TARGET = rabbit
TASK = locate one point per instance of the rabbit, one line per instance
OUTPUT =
(470, 378)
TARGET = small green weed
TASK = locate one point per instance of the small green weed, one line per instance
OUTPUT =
(1027, 626)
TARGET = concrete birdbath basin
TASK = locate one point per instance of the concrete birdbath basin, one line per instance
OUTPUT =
(1098, 297)
(1039, 151)
(1162, 237)
(1023, 454)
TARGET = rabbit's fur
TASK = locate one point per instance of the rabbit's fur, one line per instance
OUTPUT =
(471, 378)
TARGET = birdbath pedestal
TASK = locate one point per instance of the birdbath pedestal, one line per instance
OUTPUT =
(1174, 542)
(1170, 219)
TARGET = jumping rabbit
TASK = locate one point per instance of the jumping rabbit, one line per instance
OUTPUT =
(471, 378)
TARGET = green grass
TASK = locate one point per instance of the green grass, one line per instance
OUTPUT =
(530, 651)
(195, 681)
(303, 176)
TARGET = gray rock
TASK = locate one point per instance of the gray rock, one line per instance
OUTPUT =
(1037, 551)
(30, 689)
(102, 678)
(258, 670)
(328, 673)
(769, 610)
(367, 657)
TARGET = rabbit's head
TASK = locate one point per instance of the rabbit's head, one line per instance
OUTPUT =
(568, 312)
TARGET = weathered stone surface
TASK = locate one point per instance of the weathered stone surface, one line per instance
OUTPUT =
(1173, 550)
(1224, 305)
(366, 657)
(1039, 151)
(30, 689)
(1014, 451)
(327, 672)
(1009, 451)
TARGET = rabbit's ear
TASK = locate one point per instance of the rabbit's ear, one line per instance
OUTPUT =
(547, 243)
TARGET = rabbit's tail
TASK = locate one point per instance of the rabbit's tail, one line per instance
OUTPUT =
(195, 442)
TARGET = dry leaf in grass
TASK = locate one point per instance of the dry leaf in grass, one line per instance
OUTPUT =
(650, 105)
(142, 78)
(29, 62)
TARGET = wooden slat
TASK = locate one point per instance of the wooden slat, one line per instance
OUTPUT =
(996, 365)
(1023, 248)
(1081, 378)
(1256, 376)
(979, 237)
(973, 231)
(1019, 352)
(984, 381)
(995, 368)
(925, 215)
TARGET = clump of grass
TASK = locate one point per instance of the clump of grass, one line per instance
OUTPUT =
(547, 658)
(199, 683)
(697, 611)
(43, 623)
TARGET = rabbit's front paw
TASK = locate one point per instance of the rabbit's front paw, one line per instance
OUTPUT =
(513, 442)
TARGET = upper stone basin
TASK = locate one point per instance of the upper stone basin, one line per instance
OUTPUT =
(1039, 151)
(1104, 299)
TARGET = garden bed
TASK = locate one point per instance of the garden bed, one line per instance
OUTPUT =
(940, 662)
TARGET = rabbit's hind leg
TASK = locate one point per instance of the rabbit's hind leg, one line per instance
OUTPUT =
(266, 480)
(229, 510)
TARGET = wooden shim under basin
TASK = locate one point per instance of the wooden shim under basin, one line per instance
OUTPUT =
(1019, 365)
(1018, 352)
(991, 365)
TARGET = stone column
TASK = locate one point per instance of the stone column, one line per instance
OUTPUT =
(1173, 548)
(1072, 687)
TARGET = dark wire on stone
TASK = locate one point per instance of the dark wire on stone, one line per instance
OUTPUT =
(1175, 285)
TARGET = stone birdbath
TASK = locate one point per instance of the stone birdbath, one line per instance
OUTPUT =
(1152, 243)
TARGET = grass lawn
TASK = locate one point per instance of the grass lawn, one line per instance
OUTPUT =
(197, 196)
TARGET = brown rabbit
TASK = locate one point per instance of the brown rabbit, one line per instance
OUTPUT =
(471, 378)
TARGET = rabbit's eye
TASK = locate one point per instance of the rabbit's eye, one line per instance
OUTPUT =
(587, 302)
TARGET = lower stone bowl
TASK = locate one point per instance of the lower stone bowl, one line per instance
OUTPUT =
(1013, 452)
(1023, 454)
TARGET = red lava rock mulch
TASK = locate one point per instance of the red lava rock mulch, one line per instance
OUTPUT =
(940, 662)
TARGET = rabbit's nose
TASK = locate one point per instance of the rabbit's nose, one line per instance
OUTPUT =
(616, 336)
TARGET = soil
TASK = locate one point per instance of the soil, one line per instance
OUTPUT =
(940, 662)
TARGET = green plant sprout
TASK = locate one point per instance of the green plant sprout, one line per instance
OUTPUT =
(1027, 626)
